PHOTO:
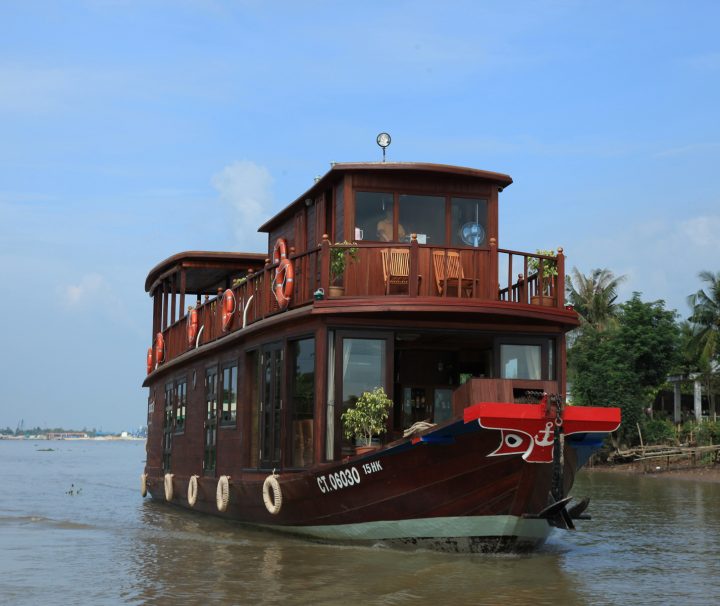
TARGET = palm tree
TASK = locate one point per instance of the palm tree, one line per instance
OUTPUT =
(593, 296)
(705, 317)
(705, 320)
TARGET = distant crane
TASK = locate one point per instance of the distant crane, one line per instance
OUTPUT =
(20, 427)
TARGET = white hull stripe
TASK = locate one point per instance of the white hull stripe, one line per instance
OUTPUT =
(466, 526)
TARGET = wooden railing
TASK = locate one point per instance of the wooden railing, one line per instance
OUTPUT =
(540, 278)
(254, 301)
(530, 279)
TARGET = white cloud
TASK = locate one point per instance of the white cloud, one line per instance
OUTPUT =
(245, 187)
(89, 289)
(702, 232)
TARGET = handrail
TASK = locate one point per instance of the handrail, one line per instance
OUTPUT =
(488, 274)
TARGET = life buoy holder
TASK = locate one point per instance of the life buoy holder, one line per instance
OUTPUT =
(150, 360)
(192, 491)
(228, 309)
(159, 349)
(272, 503)
(280, 250)
(284, 283)
(192, 326)
(222, 494)
(143, 484)
(168, 482)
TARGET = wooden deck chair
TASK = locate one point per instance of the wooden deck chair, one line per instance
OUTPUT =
(396, 267)
(449, 272)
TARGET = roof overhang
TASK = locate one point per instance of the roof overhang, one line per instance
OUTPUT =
(205, 271)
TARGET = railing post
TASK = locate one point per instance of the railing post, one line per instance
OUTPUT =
(493, 282)
(560, 283)
(413, 273)
(267, 288)
(218, 313)
(251, 291)
(325, 264)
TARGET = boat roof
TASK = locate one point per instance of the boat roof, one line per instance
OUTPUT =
(205, 271)
(338, 169)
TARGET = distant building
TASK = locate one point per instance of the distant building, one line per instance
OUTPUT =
(66, 435)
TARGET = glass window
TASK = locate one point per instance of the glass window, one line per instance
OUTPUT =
(168, 426)
(253, 368)
(521, 362)
(229, 395)
(363, 367)
(303, 401)
(468, 222)
(211, 397)
(180, 405)
(424, 216)
(374, 217)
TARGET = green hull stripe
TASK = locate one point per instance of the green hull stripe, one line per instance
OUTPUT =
(466, 526)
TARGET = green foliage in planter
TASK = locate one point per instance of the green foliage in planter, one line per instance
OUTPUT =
(368, 416)
(549, 266)
(550, 270)
(339, 255)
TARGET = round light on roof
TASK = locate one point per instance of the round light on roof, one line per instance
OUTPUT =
(383, 140)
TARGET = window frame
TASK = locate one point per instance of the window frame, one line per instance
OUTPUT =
(447, 195)
(546, 343)
(232, 423)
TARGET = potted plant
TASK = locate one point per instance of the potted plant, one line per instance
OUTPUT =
(549, 272)
(340, 253)
(366, 418)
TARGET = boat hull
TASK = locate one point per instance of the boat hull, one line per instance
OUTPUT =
(445, 491)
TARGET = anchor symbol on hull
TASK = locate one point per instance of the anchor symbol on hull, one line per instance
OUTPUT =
(548, 436)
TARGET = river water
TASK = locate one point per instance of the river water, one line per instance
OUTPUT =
(74, 530)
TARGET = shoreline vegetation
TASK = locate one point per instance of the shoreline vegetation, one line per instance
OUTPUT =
(709, 473)
(60, 433)
(47, 438)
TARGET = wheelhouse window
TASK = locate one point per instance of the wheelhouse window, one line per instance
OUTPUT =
(303, 401)
(374, 218)
(229, 395)
(468, 222)
(424, 216)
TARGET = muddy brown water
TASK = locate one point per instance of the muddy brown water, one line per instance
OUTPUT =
(74, 530)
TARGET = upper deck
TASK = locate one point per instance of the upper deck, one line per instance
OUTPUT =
(370, 238)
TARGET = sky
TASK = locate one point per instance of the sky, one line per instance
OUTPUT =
(132, 130)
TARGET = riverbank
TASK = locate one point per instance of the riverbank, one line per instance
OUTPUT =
(709, 474)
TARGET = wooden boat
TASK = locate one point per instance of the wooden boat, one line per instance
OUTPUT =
(381, 274)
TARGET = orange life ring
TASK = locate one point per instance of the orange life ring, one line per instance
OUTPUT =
(150, 360)
(280, 250)
(192, 326)
(228, 309)
(159, 349)
(284, 283)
